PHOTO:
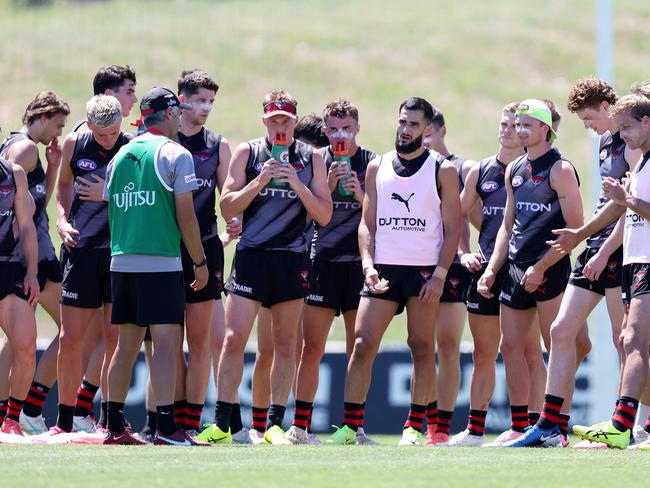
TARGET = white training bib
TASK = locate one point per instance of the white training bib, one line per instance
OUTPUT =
(636, 238)
(409, 222)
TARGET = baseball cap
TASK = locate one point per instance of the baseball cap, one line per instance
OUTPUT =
(538, 110)
(159, 98)
(280, 107)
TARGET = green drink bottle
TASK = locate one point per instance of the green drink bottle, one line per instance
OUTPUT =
(280, 152)
(341, 154)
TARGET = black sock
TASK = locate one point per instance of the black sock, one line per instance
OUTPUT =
(85, 396)
(564, 424)
(115, 420)
(103, 414)
(302, 414)
(222, 415)
(625, 413)
(235, 419)
(35, 399)
(533, 417)
(551, 412)
(166, 419)
(353, 415)
(64, 420)
(276, 415)
(152, 422)
(180, 412)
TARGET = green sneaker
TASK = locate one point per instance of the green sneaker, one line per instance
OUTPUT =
(275, 435)
(411, 437)
(214, 435)
(604, 432)
(342, 436)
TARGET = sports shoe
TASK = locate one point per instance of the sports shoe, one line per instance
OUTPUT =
(214, 435)
(256, 436)
(604, 432)
(275, 435)
(362, 439)
(146, 434)
(411, 437)
(10, 426)
(536, 437)
(55, 430)
(638, 432)
(434, 438)
(192, 432)
(312, 440)
(123, 438)
(464, 439)
(178, 438)
(242, 437)
(84, 424)
(32, 425)
(507, 436)
(561, 442)
(641, 446)
(342, 436)
(589, 445)
(296, 435)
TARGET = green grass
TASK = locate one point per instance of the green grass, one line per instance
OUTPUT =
(469, 58)
(324, 466)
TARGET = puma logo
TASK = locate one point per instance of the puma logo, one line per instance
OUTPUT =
(399, 198)
(136, 160)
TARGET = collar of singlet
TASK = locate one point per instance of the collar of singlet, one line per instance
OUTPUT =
(155, 131)
(551, 155)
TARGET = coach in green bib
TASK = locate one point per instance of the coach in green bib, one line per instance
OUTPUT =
(150, 208)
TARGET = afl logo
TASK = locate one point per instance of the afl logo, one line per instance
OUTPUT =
(489, 186)
(6, 190)
(603, 154)
(517, 181)
(86, 164)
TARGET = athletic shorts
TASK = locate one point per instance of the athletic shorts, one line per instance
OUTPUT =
(214, 256)
(609, 278)
(335, 285)
(49, 270)
(555, 281)
(86, 277)
(148, 298)
(404, 282)
(456, 283)
(636, 281)
(270, 277)
(12, 274)
(477, 303)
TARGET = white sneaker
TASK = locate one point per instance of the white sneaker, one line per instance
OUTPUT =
(256, 436)
(507, 436)
(32, 425)
(312, 440)
(363, 440)
(639, 433)
(84, 424)
(411, 437)
(464, 439)
(296, 435)
(243, 437)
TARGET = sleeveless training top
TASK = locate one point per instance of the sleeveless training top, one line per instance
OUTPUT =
(636, 237)
(8, 241)
(491, 189)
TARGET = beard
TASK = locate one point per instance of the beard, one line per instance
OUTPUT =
(409, 147)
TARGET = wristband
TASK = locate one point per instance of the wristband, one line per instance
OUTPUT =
(440, 273)
(202, 263)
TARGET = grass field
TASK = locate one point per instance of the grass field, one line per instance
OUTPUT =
(325, 466)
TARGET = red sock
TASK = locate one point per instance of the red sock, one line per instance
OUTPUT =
(519, 415)
(193, 416)
(83, 405)
(416, 416)
(623, 418)
(353, 415)
(259, 418)
(476, 422)
(302, 414)
(444, 421)
(432, 417)
(13, 409)
(35, 399)
(180, 412)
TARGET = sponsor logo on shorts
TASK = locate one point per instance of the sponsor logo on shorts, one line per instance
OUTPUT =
(242, 288)
(316, 298)
(6, 190)
(304, 274)
(472, 305)
(505, 296)
(425, 273)
(86, 164)
(639, 276)
(70, 294)
(490, 186)
(542, 286)
(517, 181)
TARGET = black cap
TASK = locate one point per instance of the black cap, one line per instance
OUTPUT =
(158, 99)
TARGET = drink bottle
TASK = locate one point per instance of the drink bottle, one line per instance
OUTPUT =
(280, 152)
(341, 154)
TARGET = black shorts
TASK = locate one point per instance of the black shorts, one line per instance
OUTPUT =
(12, 274)
(270, 277)
(49, 270)
(636, 281)
(404, 282)
(609, 278)
(148, 298)
(86, 277)
(456, 283)
(335, 285)
(214, 256)
(477, 303)
(555, 281)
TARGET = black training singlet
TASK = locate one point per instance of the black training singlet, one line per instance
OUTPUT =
(204, 146)
(276, 218)
(491, 189)
(90, 218)
(611, 158)
(537, 208)
(338, 240)
(8, 241)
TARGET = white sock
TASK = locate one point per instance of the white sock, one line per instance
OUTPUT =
(642, 414)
